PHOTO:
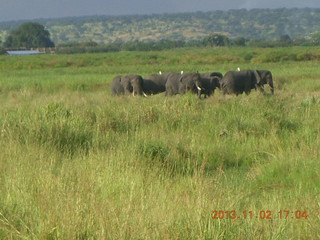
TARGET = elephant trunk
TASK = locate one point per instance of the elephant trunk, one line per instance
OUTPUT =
(136, 83)
(271, 86)
(270, 82)
(272, 90)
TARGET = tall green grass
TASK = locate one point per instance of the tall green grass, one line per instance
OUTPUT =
(77, 163)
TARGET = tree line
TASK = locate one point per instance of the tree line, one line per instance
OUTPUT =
(212, 40)
(254, 24)
(34, 35)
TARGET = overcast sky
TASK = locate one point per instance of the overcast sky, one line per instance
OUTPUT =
(34, 9)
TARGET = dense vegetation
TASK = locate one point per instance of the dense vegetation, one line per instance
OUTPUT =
(29, 35)
(77, 163)
(255, 24)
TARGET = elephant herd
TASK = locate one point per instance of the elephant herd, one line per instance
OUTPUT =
(172, 83)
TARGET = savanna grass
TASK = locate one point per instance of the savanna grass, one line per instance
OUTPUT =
(77, 163)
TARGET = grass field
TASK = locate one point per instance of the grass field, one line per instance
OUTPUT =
(77, 163)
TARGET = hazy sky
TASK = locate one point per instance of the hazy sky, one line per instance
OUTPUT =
(33, 9)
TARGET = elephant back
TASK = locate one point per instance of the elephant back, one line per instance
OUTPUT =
(154, 84)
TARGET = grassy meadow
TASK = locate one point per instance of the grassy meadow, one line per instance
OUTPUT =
(78, 163)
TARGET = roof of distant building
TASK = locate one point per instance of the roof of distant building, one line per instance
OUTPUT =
(22, 52)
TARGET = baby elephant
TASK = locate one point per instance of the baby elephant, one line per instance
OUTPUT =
(210, 81)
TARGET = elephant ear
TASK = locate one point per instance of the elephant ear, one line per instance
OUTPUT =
(216, 81)
(257, 75)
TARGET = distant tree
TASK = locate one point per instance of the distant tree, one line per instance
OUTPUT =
(216, 40)
(285, 39)
(2, 51)
(239, 41)
(301, 41)
(315, 38)
(29, 35)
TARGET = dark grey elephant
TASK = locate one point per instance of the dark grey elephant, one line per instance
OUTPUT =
(243, 81)
(190, 82)
(173, 83)
(213, 74)
(127, 84)
(210, 81)
(155, 83)
(178, 83)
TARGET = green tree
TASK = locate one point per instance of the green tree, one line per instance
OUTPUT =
(285, 40)
(315, 38)
(29, 35)
(216, 40)
(239, 41)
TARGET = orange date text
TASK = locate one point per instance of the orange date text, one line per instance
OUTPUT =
(263, 214)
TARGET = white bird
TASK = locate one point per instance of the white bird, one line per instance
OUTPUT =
(160, 72)
(238, 69)
(181, 72)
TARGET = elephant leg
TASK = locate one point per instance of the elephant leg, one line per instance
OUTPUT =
(238, 92)
(261, 89)
(224, 91)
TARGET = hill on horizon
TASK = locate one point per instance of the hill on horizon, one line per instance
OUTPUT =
(265, 24)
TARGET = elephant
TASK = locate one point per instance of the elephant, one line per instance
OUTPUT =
(178, 83)
(190, 82)
(116, 86)
(172, 83)
(213, 74)
(127, 84)
(237, 82)
(155, 83)
(210, 81)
